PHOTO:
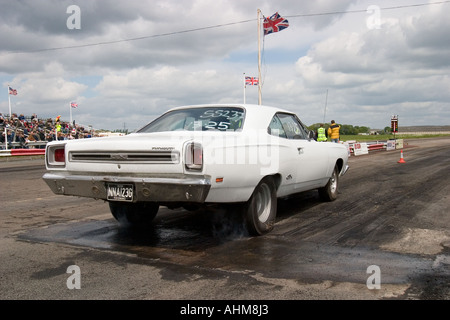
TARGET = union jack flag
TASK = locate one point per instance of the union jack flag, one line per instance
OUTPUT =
(73, 104)
(12, 91)
(251, 81)
(274, 24)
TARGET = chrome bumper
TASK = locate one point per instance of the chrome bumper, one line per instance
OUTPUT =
(190, 189)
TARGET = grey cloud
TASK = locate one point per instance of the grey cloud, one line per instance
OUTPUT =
(402, 65)
(114, 34)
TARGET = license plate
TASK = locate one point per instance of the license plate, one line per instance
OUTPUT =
(120, 192)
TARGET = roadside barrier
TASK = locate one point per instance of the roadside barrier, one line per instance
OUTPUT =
(27, 152)
(29, 144)
(360, 148)
(376, 146)
(22, 152)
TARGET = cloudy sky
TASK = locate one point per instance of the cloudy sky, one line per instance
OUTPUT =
(125, 62)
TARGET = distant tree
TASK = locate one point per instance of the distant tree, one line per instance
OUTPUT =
(346, 129)
(125, 131)
(363, 129)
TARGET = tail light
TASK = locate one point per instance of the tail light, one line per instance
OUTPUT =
(194, 156)
(55, 156)
(59, 155)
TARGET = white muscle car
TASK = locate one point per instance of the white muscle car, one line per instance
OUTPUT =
(200, 155)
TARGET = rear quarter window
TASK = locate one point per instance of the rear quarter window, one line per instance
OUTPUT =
(199, 119)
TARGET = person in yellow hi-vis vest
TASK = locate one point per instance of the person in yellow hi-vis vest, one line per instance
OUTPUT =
(333, 131)
(321, 134)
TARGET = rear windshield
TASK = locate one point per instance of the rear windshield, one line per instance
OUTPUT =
(198, 119)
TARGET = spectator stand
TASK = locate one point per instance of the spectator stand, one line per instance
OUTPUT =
(21, 135)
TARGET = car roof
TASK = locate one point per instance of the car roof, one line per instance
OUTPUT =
(248, 106)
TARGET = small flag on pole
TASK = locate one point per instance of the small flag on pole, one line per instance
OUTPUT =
(274, 24)
(12, 91)
(251, 81)
(73, 104)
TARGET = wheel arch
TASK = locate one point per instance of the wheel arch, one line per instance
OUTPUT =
(339, 164)
(276, 177)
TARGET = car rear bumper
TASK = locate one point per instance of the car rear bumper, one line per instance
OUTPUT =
(189, 189)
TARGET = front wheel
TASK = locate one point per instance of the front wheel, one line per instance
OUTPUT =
(135, 214)
(330, 191)
(261, 209)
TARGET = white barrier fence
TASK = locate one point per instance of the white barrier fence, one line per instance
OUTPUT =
(360, 148)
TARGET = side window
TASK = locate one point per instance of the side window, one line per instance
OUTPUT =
(304, 129)
(291, 126)
(276, 127)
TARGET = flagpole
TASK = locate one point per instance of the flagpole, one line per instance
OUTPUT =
(325, 110)
(259, 57)
(6, 137)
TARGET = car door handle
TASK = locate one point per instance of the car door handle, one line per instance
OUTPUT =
(300, 150)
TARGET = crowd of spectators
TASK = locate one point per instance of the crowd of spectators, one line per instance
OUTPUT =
(31, 132)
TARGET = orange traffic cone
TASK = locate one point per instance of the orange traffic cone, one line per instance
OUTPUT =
(401, 158)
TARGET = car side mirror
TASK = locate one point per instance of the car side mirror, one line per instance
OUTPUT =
(310, 135)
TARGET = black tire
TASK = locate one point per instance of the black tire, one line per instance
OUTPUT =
(330, 191)
(134, 214)
(261, 209)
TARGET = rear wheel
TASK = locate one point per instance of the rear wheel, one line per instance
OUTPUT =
(140, 213)
(330, 191)
(261, 209)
